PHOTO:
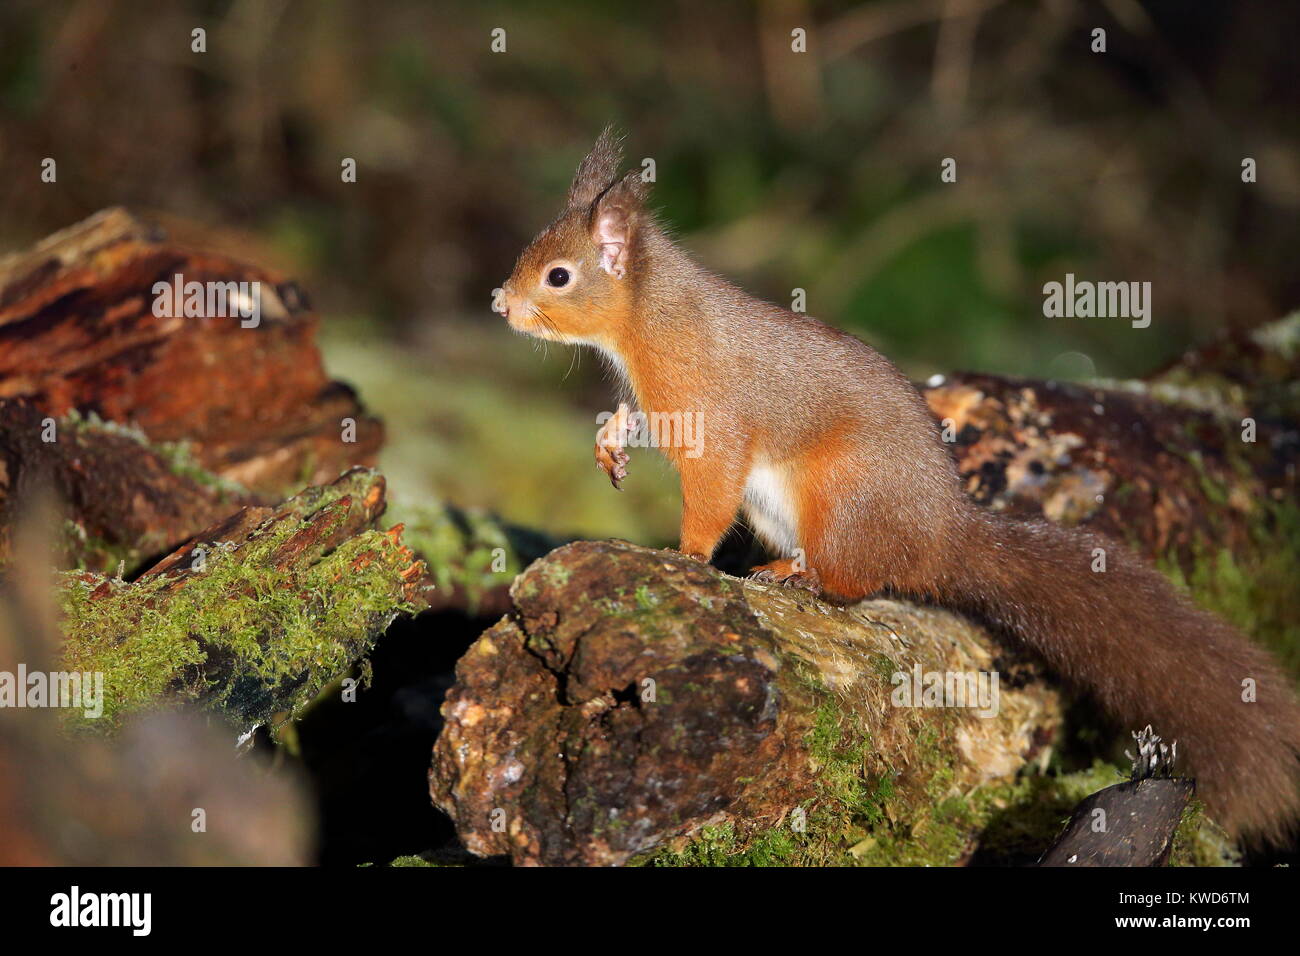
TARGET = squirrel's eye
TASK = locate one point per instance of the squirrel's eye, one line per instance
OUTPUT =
(558, 277)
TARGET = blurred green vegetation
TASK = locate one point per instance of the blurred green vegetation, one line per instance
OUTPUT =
(485, 423)
(783, 170)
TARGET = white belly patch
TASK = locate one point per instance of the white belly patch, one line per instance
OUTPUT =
(770, 510)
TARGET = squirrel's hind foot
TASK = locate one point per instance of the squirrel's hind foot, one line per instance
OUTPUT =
(784, 572)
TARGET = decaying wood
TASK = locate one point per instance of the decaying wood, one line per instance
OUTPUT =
(1190, 455)
(123, 501)
(635, 695)
(283, 548)
(78, 331)
(1129, 824)
(324, 517)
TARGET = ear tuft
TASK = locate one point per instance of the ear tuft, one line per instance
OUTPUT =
(598, 170)
(615, 217)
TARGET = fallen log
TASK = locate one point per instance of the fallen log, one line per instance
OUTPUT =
(1197, 457)
(636, 696)
(255, 615)
(79, 331)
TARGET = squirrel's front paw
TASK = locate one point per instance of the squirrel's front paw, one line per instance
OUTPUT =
(612, 460)
(611, 456)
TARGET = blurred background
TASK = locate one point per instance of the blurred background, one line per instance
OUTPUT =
(818, 170)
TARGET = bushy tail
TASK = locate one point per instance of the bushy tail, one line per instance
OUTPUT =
(1149, 656)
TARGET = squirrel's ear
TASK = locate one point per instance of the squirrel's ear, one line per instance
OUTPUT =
(614, 220)
(598, 170)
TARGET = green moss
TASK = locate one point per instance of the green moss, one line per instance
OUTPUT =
(885, 667)
(645, 599)
(412, 861)
(1200, 842)
(915, 819)
(473, 551)
(1213, 490)
(1255, 591)
(720, 846)
(1282, 337)
(277, 636)
(93, 553)
(557, 575)
(894, 818)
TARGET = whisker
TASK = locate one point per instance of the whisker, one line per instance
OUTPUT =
(537, 313)
(550, 325)
(572, 357)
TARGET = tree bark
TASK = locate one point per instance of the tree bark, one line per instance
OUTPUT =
(1196, 453)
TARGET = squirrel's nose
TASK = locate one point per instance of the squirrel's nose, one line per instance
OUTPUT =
(508, 303)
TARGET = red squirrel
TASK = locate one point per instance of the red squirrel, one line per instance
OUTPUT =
(831, 454)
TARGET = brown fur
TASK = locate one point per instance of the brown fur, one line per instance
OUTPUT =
(827, 447)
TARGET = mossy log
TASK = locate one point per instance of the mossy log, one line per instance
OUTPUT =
(255, 615)
(636, 696)
(78, 331)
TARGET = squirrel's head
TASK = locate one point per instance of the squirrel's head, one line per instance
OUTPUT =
(572, 283)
